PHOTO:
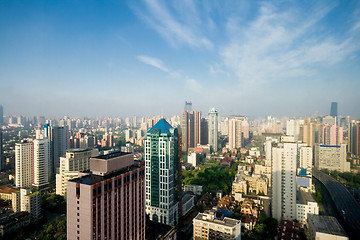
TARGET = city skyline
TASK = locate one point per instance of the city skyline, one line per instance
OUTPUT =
(148, 57)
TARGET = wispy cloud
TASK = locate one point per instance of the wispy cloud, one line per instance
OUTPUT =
(153, 62)
(280, 44)
(178, 24)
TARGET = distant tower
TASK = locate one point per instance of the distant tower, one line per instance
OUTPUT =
(334, 109)
(188, 106)
(213, 128)
(1, 153)
(41, 160)
(161, 165)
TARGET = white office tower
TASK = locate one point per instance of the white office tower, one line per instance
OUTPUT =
(269, 142)
(293, 128)
(23, 164)
(41, 151)
(213, 128)
(305, 157)
(283, 186)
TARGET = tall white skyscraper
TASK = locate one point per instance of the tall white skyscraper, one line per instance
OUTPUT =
(213, 128)
(23, 164)
(41, 162)
(283, 182)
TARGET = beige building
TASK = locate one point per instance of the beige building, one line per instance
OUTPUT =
(6, 192)
(208, 226)
(238, 131)
(27, 200)
(305, 204)
(23, 164)
(249, 183)
(71, 164)
(331, 157)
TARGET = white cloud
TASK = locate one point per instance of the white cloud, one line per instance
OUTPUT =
(153, 62)
(178, 25)
(193, 85)
(278, 45)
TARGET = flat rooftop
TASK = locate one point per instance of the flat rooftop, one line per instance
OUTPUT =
(326, 224)
(7, 189)
(303, 197)
(77, 150)
(229, 222)
(91, 178)
(111, 155)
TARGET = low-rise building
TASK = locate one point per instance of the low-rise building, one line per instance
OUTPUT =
(6, 192)
(196, 189)
(10, 223)
(27, 200)
(245, 182)
(207, 226)
(305, 204)
(323, 228)
(289, 230)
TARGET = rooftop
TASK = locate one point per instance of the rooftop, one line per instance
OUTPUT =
(77, 150)
(163, 125)
(303, 197)
(111, 155)
(326, 224)
(91, 179)
(7, 189)
(228, 222)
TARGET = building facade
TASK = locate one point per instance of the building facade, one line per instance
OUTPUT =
(213, 128)
(41, 166)
(331, 157)
(190, 129)
(238, 131)
(107, 203)
(162, 169)
(23, 164)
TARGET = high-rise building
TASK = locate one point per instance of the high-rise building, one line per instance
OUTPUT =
(188, 106)
(334, 109)
(71, 164)
(283, 180)
(23, 164)
(213, 128)
(204, 138)
(27, 200)
(59, 140)
(305, 157)
(1, 115)
(109, 202)
(238, 131)
(41, 160)
(162, 172)
(190, 129)
(331, 157)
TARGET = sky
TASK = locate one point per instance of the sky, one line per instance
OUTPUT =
(123, 58)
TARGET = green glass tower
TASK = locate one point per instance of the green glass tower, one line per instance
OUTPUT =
(161, 173)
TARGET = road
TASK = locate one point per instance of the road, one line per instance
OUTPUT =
(348, 208)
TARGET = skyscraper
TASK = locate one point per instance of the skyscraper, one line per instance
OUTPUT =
(59, 140)
(162, 169)
(283, 180)
(204, 138)
(238, 131)
(23, 164)
(41, 160)
(109, 202)
(190, 129)
(188, 106)
(334, 109)
(213, 128)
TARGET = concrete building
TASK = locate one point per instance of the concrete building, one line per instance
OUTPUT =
(1, 152)
(247, 183)
(41, 160)
(305, 204)
(305, 157)
(59, 140)
(196, 189)
(324, 228)
(190, 129)
(238, 131)
(27, 200)
(193, 159)
(204, 138)
(71, 164)
(283, 182)
(213, 128)
(332, 135)
(208, 226)
(107, 203)
(162, 169)
(23, 164)
(331, 157)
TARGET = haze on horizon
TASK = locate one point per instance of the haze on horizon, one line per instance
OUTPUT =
(125, 58)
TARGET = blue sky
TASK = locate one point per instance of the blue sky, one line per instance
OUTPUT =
(123, 58)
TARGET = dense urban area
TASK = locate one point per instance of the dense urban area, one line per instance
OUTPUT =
(192, 176)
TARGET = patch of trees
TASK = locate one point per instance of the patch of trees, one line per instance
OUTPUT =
(266, 228)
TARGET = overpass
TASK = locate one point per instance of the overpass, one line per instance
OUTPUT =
(345, 203)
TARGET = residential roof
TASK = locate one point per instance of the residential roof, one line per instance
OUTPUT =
(163, 125)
